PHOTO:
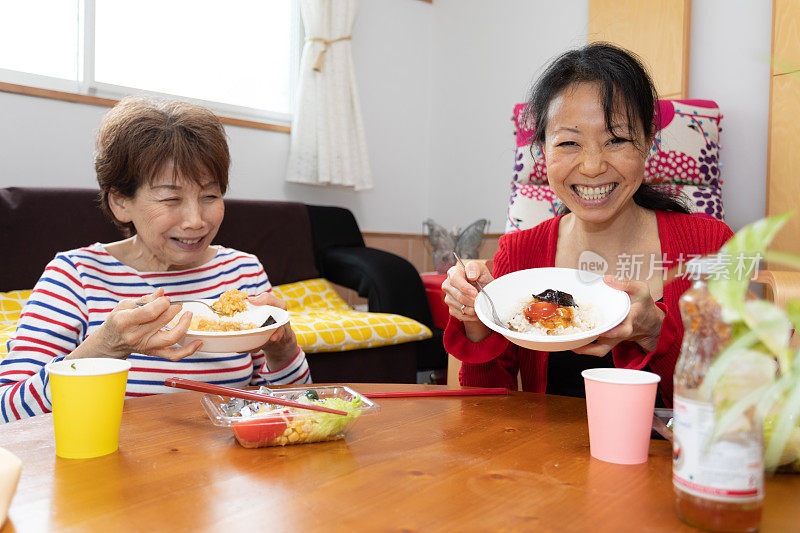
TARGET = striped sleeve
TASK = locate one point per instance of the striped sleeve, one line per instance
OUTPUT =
(52, 324)
(250, 275)
(296, 372)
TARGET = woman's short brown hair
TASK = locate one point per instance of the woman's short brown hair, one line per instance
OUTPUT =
(140, 135)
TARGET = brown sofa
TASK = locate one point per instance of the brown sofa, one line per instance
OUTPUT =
(293, 241)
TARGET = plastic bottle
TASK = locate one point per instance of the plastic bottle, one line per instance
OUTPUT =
(718, 486)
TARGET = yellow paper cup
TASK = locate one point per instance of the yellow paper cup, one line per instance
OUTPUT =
(87, 397)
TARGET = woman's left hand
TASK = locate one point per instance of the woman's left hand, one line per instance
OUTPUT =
(642, 325)
(281, 347)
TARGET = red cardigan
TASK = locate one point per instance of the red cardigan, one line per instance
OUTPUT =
(495, 362)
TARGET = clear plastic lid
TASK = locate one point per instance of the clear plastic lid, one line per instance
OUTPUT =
(214, 404)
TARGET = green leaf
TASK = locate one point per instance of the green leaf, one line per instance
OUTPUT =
(793, 312)
(728, 416)
(773, 395)
(753, 369)
(772, 326)
(326, 425)
(756, 237)
(782, 258)
(784, 426)
(725, 358)
(742, 252)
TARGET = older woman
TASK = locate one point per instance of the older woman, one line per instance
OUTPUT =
(162, 168)
(593, 110)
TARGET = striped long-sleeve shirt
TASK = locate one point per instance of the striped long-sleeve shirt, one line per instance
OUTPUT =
(75, 295)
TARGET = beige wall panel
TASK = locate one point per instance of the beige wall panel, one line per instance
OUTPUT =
(657, 30)
(396, 245)
(786, 36)
(417, 249)
(420, 254)
(783, 189)
(489, 247)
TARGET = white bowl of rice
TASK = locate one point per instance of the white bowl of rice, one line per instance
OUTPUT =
(599, 307)
(244, 334)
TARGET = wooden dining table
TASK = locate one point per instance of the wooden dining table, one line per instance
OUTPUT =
(517, 462)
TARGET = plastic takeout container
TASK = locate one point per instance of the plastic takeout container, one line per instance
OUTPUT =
(286, 425)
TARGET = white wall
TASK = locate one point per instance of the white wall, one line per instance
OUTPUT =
(437, 84)
(730, 53)
(50, 143)
(486, 56)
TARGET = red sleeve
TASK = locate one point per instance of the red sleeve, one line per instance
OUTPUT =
(636, 359)
(455, 338)
(685, 234)
(490, 362)
(457, 344)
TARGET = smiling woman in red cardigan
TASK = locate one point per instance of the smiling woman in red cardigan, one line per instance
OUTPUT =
(593, 112)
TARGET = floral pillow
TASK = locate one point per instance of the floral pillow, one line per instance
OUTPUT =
(684, 156)
(530, 204)
(686, 149)
(703, 200)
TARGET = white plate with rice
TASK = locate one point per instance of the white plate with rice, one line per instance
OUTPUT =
(236, 341)
(600, 307)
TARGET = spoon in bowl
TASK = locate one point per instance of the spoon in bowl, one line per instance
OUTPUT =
(495, 316)
(173, 302)
(268, 322)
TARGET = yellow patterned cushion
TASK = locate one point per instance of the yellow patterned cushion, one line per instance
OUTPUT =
(11, 304)
(321, 319)
(323, 322)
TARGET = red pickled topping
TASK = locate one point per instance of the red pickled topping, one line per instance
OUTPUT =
(540, 310)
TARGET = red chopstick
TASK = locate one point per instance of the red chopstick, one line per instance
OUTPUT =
(188, 384)
(440, 392)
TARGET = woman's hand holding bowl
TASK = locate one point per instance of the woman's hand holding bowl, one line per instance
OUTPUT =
(133, 329)
(281, 347)
(460, 294)
(642, 325)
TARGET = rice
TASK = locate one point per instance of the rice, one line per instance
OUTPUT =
(231, 302)
(216, 324)
(583, 319)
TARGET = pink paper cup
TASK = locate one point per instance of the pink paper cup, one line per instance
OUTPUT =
(619, 405)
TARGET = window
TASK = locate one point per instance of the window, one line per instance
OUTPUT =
(238, 57)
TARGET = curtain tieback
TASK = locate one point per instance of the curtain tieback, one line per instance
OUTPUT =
(321, 56)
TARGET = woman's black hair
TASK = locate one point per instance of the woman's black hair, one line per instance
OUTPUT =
(619, 73)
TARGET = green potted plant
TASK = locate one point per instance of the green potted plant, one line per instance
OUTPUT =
(757, 373)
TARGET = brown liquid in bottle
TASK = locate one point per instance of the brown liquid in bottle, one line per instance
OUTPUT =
(705, 335)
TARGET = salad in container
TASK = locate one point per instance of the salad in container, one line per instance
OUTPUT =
(258, 424)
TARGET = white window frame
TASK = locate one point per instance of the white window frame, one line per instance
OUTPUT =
(86, 85)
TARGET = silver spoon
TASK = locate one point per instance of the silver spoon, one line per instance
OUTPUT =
(173, 302)
(480, 289)
(268, 322)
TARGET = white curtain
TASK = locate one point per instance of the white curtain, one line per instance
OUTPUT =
(328, 144)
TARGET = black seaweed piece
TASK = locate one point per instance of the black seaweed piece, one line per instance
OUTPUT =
(268, 322)
(561, 298)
